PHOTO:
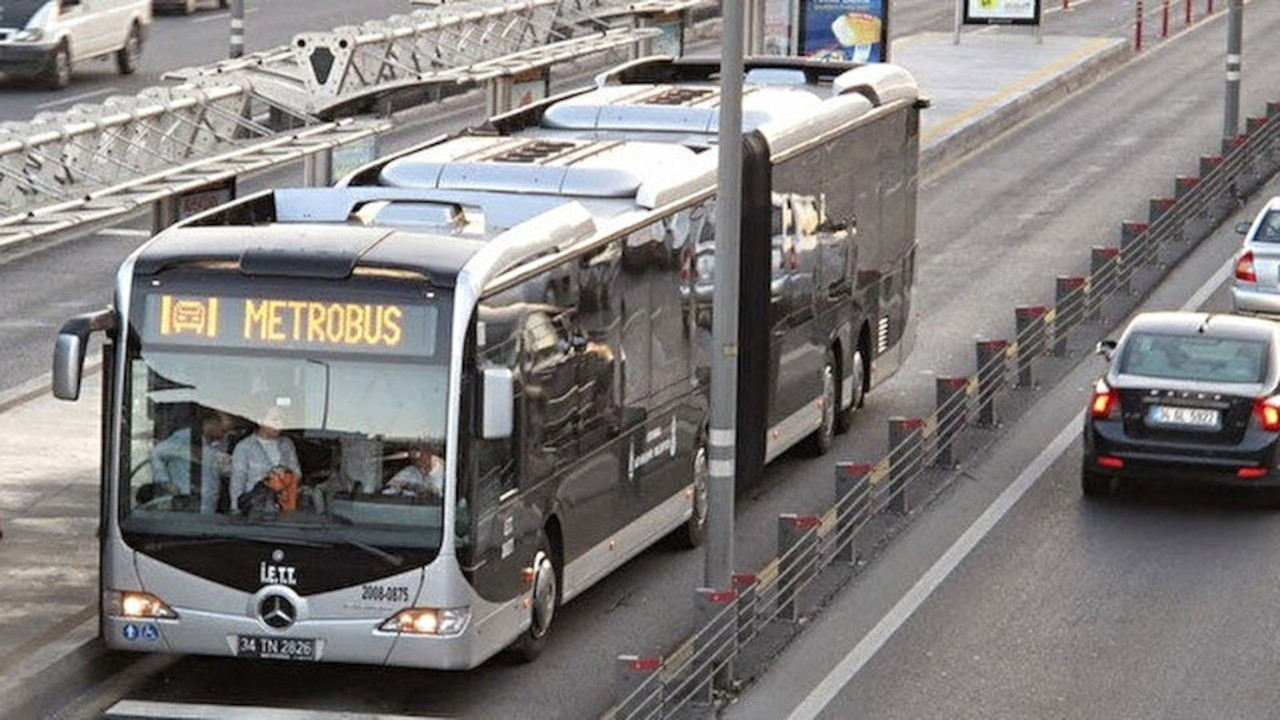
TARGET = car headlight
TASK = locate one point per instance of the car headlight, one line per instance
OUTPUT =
(138, 605)
(29, 35)
(428, 621)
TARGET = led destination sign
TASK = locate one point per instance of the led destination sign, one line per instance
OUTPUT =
(290, 324)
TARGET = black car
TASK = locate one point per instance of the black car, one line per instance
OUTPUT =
(1186, 396)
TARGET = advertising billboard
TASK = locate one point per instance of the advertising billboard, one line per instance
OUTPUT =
(1002, 12)
(851, 30)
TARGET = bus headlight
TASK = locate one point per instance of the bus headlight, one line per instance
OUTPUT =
(428, 621)
(29, 35)
(138, 605)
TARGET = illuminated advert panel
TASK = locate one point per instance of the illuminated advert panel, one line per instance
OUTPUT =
(844, 30)
(290, 324)
(1002, 12)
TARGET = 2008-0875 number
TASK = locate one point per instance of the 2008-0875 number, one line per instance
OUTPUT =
(384, 593)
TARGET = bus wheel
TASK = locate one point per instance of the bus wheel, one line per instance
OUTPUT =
(694, 531)
(857, 378)
(545, 603)
(820, 441)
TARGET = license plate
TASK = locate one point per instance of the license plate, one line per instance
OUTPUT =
(258, 647)
(1185, 416)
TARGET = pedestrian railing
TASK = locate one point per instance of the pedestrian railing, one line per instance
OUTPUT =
(686, 681)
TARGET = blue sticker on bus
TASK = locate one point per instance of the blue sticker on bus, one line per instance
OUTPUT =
(150, 632)
(130, 632)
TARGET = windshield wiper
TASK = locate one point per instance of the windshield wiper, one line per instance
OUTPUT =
(189, 540)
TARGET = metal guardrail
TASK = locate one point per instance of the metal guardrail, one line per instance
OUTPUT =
(461, 43)
(95, 163)
(685, 682)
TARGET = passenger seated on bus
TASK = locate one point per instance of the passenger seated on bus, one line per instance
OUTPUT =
(258, 454)
(171, 460)
(423, 476)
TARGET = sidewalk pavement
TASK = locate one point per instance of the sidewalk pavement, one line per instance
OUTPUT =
(49, 453)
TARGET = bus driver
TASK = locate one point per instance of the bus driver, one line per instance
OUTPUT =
(424, 475)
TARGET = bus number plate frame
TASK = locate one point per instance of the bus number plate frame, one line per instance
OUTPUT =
(261, 647)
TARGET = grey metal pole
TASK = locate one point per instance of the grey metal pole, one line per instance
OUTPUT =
(955, 38)
(237, 29)
(724, 323)
(754, 21)
(1235, 31)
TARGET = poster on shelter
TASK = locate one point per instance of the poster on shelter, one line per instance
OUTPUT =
(856, 30)
(1002, 12)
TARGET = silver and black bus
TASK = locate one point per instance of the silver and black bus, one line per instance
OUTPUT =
(402, 420)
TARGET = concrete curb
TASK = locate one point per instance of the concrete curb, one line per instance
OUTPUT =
(961, 141)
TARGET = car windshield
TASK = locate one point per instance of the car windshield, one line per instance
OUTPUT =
(1195, 357)
(247, 419)
(17, 13)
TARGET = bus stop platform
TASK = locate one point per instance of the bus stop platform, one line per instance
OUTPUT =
(49, 452)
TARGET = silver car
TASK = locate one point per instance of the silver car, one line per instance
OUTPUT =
(1257, 285)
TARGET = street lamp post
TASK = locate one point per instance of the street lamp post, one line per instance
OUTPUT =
(724, 323)
(237, 29)
(1235, 31)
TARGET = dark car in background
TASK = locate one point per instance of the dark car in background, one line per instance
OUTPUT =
(1187, 396)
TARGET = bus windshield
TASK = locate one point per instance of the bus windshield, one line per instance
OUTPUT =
(303, 444)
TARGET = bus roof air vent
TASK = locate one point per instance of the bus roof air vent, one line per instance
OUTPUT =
(535, 151)
(674, 108)
(679, 96)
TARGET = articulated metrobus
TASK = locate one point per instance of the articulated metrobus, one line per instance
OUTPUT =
(402, 420)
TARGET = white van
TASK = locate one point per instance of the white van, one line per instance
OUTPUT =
(45, 37)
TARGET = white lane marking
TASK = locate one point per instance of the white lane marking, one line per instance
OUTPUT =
(842, 673)
(151, 709)
(76, 98)
(222, 15)
(125, 232)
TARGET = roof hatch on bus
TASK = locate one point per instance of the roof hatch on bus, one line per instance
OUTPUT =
(573, 168)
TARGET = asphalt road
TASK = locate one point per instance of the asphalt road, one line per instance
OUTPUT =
(1158, 603)
(1026, 209)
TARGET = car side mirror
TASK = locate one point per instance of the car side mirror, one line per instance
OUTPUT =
(69, 349)
(1242, 228)
(1106, 348)
(498, 406)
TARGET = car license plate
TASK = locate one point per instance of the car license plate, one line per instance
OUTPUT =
(257, 647)
(1185, 416)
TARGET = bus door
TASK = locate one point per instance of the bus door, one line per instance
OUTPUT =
(796, 373)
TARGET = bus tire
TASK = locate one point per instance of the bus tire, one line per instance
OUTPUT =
(694, 531)
(545, 603)
(820, 441)
(857, 378)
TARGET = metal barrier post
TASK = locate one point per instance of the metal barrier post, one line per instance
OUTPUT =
(722, 629)
(1028, 321)
(951, 415)
(630, 672)
(1164, 20)
(1188, 19)
(794, 530)
(905, 445)
(498, 95)
(852, 487)
(1069, 293)
(1137, 28)
(1130, 232)
(317, 168)
(746, 585)
(164, 212)
(1103, 260)
(990, 379)
(1157, 207)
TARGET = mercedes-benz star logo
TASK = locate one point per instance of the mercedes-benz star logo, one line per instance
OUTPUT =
(277, 611)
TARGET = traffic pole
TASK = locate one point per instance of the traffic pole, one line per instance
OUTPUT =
(1235, 29)
(724, 323)
(1164, 20)
(237, 29)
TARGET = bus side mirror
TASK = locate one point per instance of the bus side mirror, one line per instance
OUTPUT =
(1243, 228)
(497, 415)
(69, 349)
